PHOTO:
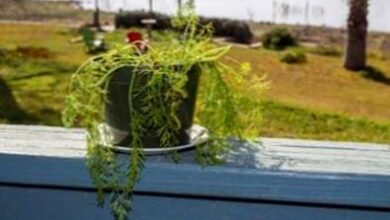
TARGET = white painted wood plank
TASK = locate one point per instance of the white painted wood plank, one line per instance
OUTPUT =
(42, 141)
(265, 153)
(329, 144)
(315, 156)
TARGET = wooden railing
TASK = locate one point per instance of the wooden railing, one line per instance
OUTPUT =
(43, 177)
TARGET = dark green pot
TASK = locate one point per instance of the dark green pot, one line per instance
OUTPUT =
(117, 115)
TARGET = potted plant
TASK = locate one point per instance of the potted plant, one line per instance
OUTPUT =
(147, 100)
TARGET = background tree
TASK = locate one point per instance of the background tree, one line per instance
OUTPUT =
(96, 16)
(355, 51)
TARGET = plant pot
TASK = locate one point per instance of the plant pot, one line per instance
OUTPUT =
(117, 113)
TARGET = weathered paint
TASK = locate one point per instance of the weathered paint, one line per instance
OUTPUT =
(42, 176)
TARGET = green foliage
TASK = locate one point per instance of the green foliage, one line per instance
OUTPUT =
(85, 103)
(278, 39)
(293, 56)
(326, 51)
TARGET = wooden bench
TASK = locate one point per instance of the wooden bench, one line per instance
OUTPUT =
(43, 177)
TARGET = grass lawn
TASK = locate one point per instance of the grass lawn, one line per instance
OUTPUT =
(322, 85)
(316, 100)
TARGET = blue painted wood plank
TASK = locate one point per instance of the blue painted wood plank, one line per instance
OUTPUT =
(43, 177)
(363, 191)
(22, 203)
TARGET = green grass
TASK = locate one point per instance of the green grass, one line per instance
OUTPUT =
(281, 120)
(322, 84)
(39, 86)
(315, 100)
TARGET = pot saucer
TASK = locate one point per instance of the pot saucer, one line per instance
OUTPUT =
(198, 135)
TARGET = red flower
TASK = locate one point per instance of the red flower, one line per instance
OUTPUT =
(134, 36)
(136, 39)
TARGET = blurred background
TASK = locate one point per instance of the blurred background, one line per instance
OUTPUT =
(299, 45)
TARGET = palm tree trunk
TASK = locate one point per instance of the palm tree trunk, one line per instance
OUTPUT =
(179, 6)
(150, 7)
(355, 51)
(96, 16)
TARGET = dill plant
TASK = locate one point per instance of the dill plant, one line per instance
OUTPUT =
(218, 109)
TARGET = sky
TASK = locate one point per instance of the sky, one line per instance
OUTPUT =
(315, 12)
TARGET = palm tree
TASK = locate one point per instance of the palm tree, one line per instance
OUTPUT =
(179, 6)
(150, 7)
(355, 51)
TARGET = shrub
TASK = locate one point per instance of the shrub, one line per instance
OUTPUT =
(326, 51)
(278, 39)
(239, 31)
(134, 19)
(294, 56)
(242, 33)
